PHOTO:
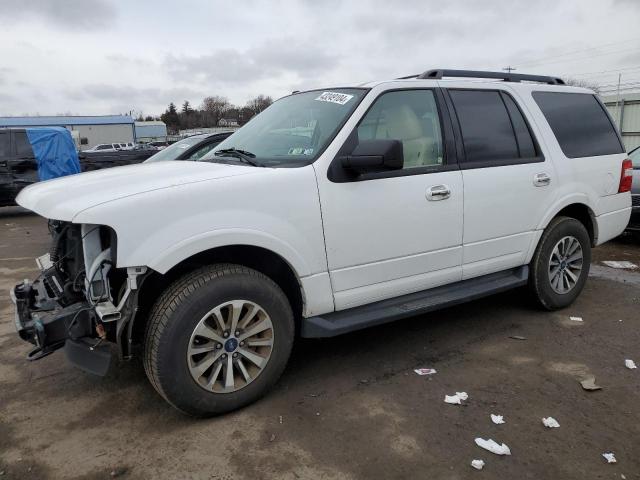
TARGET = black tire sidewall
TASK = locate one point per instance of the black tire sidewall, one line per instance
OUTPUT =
(174, 377)
(560, 228)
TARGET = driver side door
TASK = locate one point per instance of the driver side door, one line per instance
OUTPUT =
(396, 232)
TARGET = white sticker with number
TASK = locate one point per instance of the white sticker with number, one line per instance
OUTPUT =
(335, 97)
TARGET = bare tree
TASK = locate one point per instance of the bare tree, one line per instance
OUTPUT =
(259, 103)
(214, 109)
(574, 82)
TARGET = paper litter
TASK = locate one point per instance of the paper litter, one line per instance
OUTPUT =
(456, 399)
(493, 446)
(630, 364)
(477, 464)
(611, 458)
(425, 371)
(497, 419)
(550, 422)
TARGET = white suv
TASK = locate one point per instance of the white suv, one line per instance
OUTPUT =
(331, 211)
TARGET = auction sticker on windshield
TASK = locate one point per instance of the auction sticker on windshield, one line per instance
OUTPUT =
(335, 97)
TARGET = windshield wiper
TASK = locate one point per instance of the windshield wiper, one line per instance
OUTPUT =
(243, 155)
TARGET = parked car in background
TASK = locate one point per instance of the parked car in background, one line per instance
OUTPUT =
(105, 147)
(634, 221)
(331, 211)
(28, 155)
(190, 148)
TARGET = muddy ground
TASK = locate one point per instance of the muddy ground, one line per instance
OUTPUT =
(350, 407)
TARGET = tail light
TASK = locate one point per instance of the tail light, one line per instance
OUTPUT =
(626, 177)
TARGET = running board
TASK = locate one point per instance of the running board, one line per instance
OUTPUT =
(344, 321)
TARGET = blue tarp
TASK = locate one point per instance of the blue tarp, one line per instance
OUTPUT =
(55, 152)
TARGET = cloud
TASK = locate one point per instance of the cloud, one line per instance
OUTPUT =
(270, 59)
(67, 14)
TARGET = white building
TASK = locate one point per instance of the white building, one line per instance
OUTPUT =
(86, 131)
(625, 111)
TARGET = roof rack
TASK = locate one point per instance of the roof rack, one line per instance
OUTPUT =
(506, 76)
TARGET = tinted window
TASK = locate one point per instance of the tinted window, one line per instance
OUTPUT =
(580, 124)
(526, 145)
(487, 133)
(4, 144)
(410, 116)
(23, 147)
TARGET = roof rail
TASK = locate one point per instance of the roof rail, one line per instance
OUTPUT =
(506, 76)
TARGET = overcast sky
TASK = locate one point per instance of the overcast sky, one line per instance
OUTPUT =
(95, 57)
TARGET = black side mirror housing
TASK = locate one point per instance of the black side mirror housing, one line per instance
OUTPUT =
(374, 156)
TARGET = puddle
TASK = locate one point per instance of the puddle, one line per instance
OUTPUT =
(614, 274)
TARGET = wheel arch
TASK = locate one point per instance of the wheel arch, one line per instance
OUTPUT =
(261, 259)
(578, 210)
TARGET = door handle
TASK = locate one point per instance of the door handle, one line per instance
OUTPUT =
(541, 179)
(438, 192)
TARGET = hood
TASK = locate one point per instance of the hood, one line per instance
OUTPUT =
(64, 198)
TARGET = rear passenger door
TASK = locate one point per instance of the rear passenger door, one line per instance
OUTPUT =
(508, 182)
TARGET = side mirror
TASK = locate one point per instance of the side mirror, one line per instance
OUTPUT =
(375, 156)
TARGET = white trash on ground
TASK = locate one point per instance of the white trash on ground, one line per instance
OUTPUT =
(425, 371)
(589, 383)
(493, 446)
(630, 364)
(477, 464)
(611, 458)
(550, 422)
(497, 419)
(456, 399)
(619, 264)
(576, 319)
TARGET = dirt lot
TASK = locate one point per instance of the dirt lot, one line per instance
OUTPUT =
(350, 407)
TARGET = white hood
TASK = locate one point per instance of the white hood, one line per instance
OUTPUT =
(63, 198)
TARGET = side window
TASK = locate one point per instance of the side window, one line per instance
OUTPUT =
(580, 124)
(410, 116)
(526, 145)
(198, 154)
(23, 147)
(487, 133)
(4, 144)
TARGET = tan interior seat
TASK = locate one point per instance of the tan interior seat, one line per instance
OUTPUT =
(401, 123)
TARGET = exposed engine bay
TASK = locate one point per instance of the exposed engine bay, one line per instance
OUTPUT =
(79, 301)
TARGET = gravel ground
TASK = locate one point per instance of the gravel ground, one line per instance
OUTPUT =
(350, 407)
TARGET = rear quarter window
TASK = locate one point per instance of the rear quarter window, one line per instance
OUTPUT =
(580, 123)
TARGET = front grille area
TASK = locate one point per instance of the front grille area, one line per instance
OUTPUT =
(635, 200)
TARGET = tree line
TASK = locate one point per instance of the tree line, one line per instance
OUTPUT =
(214, 111)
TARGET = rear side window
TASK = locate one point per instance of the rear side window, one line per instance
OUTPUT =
(23, 147)
(493, 128)
(580, 124)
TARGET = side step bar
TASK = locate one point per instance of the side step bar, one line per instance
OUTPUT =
(344, 321)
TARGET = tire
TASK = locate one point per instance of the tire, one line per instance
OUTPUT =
(188, 308)
(548, 293)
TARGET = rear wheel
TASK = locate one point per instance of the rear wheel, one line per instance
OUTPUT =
(218, 339)
(560, 265)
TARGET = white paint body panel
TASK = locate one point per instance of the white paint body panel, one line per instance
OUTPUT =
(350, 243)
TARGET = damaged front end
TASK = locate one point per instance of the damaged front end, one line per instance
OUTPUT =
(80, 301)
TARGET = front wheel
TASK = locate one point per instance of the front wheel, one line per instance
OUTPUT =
(560, 265)
(218, 339)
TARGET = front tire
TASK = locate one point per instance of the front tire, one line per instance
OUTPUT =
(560, 265)
(218, 339)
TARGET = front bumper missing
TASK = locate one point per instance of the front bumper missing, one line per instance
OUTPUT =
(60, 326)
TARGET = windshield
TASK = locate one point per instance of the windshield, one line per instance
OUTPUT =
(173, 151)
(635, 157)
(295, 129)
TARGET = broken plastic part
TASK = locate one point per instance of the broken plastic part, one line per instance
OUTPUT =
(590, 384)
(425, 371)
(493, 446)
(610, 457)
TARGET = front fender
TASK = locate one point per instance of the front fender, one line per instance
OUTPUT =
(191, 246)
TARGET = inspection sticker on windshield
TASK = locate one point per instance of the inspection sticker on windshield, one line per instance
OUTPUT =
(334, 97)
